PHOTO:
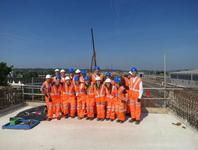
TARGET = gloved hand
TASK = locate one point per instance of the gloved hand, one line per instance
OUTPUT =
(139, 100)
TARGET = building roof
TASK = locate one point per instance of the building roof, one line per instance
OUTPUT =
(186, 72)
(156, 131)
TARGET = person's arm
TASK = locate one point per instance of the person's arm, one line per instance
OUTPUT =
(141, 90)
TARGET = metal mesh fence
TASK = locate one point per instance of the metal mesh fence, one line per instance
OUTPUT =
(185, 105)
(10, 96)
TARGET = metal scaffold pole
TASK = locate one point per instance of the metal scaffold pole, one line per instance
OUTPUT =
(93, 59)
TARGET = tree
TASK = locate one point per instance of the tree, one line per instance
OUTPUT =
(4, 72)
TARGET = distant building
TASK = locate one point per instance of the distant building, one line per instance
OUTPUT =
(188, 79)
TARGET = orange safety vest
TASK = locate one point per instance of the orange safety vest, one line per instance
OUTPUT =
(134, 86)
(68, 90)
(77, 89)
(108, 93)
(82, 89)
(118, 93)
(56, 92)
(90, 91)
(99, 93)
(46, 87)
(126, 80)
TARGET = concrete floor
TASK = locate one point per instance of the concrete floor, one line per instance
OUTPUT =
(155, 132)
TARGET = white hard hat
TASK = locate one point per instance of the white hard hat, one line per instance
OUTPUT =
(67, 78)
(62, 70)
(56, 70)
(98, 79)
(78, 71)
(108, 80)
(130, 72)
(48, 76)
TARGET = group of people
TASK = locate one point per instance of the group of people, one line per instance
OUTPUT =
(103, 96)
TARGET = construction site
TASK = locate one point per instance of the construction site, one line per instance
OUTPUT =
(157, 107)
(169, 118)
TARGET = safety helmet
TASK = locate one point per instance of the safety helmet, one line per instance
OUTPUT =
(67, 78)
(76, 78)
(130, 72)
(71, 70)
(78, 71)
(62, 70)
(86, 78)
(108, 80)
(108, 74)
(97, 68)
(133, 69)
(98, 78)
(83, 71)
(48, 76)
(56, 70)
(117, 79)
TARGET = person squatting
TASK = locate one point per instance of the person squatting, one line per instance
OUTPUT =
(97, 95)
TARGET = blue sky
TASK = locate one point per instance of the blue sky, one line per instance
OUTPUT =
(56, 33)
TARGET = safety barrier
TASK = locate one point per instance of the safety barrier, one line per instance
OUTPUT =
(10, 96)
(185, 105)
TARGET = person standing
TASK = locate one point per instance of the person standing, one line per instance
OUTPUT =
(68, 98)
(55, 95)
(110, 109)
(46, 90)
(99, 92)
(120, 98)
(90, 99)
(135, 95)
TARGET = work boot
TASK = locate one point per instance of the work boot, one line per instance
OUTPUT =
(87, 118)
(131, 120)
(72, 117)
(107, 119)
(137, 122)
(66, 116)
(121, 121)
(98, 119)
(58, 118)
(49, 119)
(117, 120)
(91, 119)
(112, 120)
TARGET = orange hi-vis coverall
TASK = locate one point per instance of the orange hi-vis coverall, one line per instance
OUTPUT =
(110, 114)
(90, 101)
(46, 90)
(56, 101)
(68, 100)
(100, 101)
(81, 101)
(135, 93)
(120, 102)
(126, 81)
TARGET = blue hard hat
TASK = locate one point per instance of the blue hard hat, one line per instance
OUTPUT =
(86, 78)
(83, 71)
(97, 68)
(133, 69)
(76, 78)
(108, 74)
(71, 70)
(117, 79)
